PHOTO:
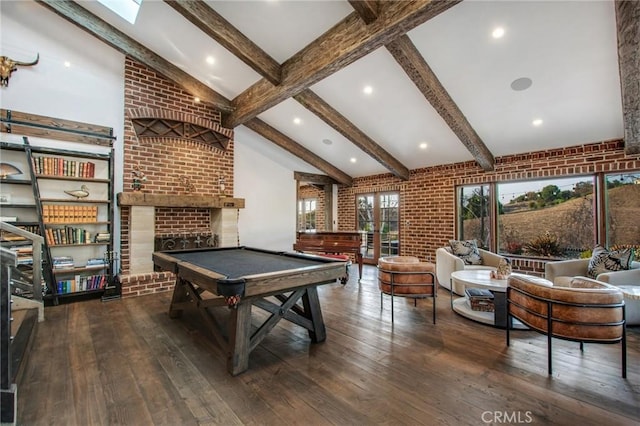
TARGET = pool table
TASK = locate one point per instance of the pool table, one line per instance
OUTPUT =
(242, 277)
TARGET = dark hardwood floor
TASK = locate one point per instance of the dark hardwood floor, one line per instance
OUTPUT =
(126, 362)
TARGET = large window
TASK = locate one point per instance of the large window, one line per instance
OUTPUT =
(474, 214)
(307, 214)
(551, 218)
(623, 209)
(546, 218)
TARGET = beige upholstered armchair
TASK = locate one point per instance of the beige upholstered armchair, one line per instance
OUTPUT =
(585, 311)
(447, 262)
(407, 276)
(563, 271)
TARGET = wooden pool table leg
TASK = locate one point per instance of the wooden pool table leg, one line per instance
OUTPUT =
(312, 310)
(179, 299)
(239, 338)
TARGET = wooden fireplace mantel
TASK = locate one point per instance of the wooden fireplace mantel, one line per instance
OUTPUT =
(172, 200)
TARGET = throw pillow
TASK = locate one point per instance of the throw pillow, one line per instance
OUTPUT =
(603, 260)
(467, 251)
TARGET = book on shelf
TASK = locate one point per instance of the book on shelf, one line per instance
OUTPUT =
(59, 213)
(58, 166)
(67, 235)
(22, 249)
(81, 283)
(10, 236)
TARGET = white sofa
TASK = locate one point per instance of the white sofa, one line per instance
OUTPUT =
(447, 262)
(563, 271)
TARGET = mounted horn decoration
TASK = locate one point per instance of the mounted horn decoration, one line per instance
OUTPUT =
(8, 65)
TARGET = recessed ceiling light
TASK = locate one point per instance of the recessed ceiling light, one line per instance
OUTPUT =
(522, 83)
(498, 32)
(67, 64)
(537, 122)
(367, 90)
(423, 145)
(210, 60)
(327, 141)
(297, 120)
(353, 159)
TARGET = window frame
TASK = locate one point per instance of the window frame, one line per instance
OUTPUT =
(302, 213)
(600, 206)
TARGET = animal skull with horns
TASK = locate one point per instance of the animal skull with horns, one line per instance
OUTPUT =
(8, 65)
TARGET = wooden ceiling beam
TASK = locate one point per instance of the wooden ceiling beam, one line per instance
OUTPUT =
(350, 40)
(82, 18)
(288, 144)
(219, 29)
(410, 59)
(314, 178)
(367, 9)
(628, 26)
(346, 128)
(210, 22)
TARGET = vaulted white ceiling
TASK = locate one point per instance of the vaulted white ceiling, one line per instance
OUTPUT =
(567, 48)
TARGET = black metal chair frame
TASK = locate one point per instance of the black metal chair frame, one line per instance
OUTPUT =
(551, 320)
(414, 296)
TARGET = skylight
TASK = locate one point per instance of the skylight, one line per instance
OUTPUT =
(127, 9)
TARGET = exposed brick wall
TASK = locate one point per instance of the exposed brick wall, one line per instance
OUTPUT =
(170, 166)
(427, 215)
(171, 221)
(139, 285)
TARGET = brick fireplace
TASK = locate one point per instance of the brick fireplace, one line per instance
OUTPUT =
(144, 236)
(177, 174)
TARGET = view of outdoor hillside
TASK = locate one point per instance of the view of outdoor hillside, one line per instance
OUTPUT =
(558, 223)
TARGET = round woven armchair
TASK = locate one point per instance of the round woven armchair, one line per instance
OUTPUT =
(585, 311)
(407, 276)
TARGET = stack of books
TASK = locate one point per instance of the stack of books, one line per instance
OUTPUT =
(96, 261)
(63, 262)
(24, 254)
(102, 237)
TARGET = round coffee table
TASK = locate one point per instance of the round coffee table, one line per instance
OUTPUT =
(471, 278)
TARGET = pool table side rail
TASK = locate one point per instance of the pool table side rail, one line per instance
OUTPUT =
(275, 282)
(258, 284)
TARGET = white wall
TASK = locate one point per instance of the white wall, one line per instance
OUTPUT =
(264, 178)
(91, 89)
